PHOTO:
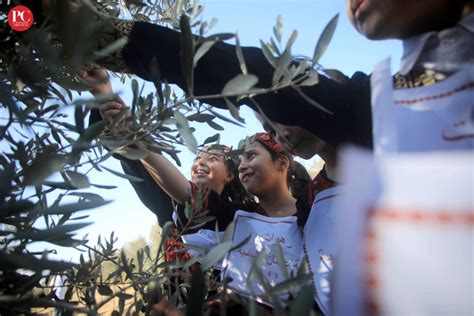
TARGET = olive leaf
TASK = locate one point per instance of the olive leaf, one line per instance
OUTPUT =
(240, 56)
(324, 39)
(202, 50)
(240, 84)
(212, 139)
(185, 132)
(216, 254)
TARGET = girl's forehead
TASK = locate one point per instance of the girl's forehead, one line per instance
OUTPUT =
(210, 152)
(252, 144)
(255, 146)
(215, 152)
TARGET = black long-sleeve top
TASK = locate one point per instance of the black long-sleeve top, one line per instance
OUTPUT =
(351, 121)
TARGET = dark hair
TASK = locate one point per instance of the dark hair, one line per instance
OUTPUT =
(233, 191)
(299, 181)
(275, 156)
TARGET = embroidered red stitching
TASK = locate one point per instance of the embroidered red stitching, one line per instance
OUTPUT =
(456, 138)
(371, 276)
(326, 197)
(442, 217)
(467, 86)
(370, 256)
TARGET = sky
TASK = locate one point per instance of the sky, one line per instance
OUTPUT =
(252, 20)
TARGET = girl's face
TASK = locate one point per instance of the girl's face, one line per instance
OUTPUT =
(258, 172)
(382, 19)
(209, 170)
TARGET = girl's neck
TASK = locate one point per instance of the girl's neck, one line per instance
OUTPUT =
(278, 204)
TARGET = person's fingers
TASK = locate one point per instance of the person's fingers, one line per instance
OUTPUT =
(112, 108)
(100, 73)
(109, 114)
(82, 73)
(111, 105)
(109, 109)
(121, 101)
(97, 78)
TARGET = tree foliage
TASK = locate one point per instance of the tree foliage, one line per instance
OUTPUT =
(48, 150)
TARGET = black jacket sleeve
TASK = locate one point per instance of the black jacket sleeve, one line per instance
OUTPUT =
(349, 102)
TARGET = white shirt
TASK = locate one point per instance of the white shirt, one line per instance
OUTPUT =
(444, 51)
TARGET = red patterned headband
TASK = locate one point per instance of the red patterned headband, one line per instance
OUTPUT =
(269, 142)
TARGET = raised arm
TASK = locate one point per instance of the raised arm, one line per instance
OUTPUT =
(168, 177)
(348, 101)
(163, 172)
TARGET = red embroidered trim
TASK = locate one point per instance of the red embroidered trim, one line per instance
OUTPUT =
(456, 138)
(203, 192)
(172, 245)
(325, 198)
(467, 86)
(371, 275)
(415, 216)
(371, 258)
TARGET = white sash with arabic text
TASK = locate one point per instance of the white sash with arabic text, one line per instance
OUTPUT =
(265, 232)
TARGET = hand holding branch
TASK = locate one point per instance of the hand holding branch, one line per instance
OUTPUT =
(98, 78)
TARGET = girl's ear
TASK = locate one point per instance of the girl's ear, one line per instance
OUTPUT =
(283, 163)
(229, 176)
